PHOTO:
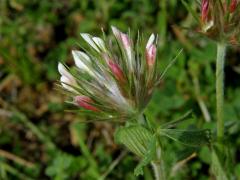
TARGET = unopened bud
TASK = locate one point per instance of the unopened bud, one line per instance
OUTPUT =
(233, 6)
(204, 10)
(68, 83)
(85, 102)
(127, 46)
(116, 32)
(67, 80)
(150, 41)
(116, 70)
(151, 55)
(100, 43)
(125, 40)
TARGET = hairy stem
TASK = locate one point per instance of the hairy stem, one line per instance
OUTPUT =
(158, 163)
(158, 166)
(221, 51)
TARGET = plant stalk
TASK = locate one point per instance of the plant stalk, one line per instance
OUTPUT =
(158, 167)
(221, 52)
(158, 164)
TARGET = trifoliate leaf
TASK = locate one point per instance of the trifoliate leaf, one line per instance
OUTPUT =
(188, 137)
(148, 157)
(136, 138)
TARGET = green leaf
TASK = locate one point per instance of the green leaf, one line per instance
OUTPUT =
(135, 138)
(177, 121)
(148, 157)
(188, 137)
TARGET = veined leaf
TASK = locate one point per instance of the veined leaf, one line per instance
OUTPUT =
(188, 137)
(148, 157)
(136, 138)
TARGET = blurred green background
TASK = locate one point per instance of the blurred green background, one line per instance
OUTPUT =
(40, 140)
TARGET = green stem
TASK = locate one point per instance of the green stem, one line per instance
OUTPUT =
(221, 51)
(158, 166)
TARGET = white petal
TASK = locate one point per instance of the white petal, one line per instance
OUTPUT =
(67, 83)
(89, 40)
(150, 41)
(116, 96)
(207, 26)
(100, 43)
(63, 71)
(125, 40)
(116, 32)
(81, 59)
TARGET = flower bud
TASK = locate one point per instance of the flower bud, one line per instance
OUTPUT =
(125, 40)
(233, 6)
(85, 102)
(68, 83)
(67, 80)
(117, 82)
(116, 32)
(116, 70)
(90, 41)
(204, 10)
(151, 55)
(81, 59)
(127, 46)
(100, 43)
(150, 41)
(63, 71)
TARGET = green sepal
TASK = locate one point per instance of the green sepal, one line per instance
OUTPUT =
(136, 138)
(188, 137)
(148, 157)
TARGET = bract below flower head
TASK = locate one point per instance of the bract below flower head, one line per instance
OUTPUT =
(113, 80)
(220, 20)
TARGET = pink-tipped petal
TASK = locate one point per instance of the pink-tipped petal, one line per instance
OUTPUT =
(150, 41)
(128, 50)
(151, 55)
(233, 6)
(125, 40)
(85, 102)
(204, 10)
(116, 70)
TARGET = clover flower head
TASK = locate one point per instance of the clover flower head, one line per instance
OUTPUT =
(113, 79)
(220, 20)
